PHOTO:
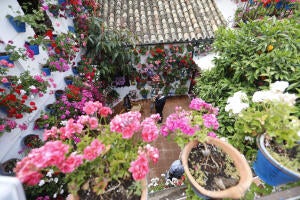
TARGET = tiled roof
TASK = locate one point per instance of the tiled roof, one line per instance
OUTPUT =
(163, 21)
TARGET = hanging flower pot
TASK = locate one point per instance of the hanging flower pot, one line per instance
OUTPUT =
(46, 70)
(75, 70)
(49, 108)
(38, 124)
(7, 167)
(34, 48)
(61, 2)
(32, 141)
(270, 170)
(235, 191)
(58, 94)
(6, 57)
(18, 26)
(69, 80)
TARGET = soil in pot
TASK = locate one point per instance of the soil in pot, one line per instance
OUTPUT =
(7, 168)
(114, 190)
(290, 158)
(212, 168)
(32, 141)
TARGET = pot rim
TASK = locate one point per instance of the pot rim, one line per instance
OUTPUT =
(261, 145)
(240, 162)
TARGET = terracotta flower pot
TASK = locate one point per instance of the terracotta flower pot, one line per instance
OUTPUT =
(241, 164)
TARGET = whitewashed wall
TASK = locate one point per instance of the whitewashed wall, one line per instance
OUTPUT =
(10, 143)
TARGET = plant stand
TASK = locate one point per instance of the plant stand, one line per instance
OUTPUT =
(240, 163)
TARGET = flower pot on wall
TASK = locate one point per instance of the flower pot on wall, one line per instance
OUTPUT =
(269, 170)
(239, 161)
(58, 94)
(6, 168)
(32, 141)
(18, 26)
(69, 80)
(46, 70)
(49, 109)
(34, 48)
(61, 1)
(6, 57)
(75, 70)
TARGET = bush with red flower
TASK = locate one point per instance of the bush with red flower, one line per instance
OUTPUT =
(15, 105)
(91, 152)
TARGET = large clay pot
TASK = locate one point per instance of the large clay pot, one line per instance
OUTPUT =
(269, 170)
(240, 163)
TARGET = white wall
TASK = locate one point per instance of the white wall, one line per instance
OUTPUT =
(10, 143)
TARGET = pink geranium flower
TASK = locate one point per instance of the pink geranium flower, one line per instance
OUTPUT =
(139, 168)
(126, 124)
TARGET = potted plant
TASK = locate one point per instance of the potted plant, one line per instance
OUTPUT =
(95, 158)
(144, 92)
(68, 80)
(270, 117)
(7, 167)
(214, 168)
(46, 70)
(18, 25)
(32, 141)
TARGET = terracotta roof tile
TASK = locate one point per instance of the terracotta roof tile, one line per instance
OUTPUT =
(163, 21)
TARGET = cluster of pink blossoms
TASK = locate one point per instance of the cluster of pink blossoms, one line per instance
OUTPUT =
(5, 63)
(182, 120)
(53, 153)
(96, 107)
(140, 167)
(201, 105)
(73, 127)
(129, 123)
(126, 124)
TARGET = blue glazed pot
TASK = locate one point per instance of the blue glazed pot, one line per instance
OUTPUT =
(46, 70)
(61, 1)
(68, 80)
(7, 85)
(6, 58)
(58, 94)
(75, 70)
(71, 29)
(269, 170)
(35, 49)
(49, 109)
(18, 26)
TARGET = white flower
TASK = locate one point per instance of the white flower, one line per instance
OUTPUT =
(279, 86)
(42, 182)
(55, 179)
(237, 102)
(290, 99)
(22, 92)
(163, 175)
(19, 81)
(62, 191)
(248, 138)
(63, 123)
(49, 173)
(55, 195)
(32, 87)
